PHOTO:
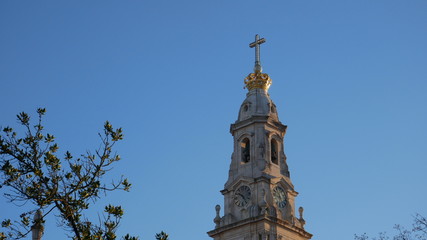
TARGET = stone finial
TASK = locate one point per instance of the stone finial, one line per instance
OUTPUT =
(37, 229)
(217, 219)
(301, 217)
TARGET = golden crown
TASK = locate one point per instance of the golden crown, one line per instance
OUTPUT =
(258, 80)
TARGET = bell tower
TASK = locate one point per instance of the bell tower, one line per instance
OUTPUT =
(259, 194)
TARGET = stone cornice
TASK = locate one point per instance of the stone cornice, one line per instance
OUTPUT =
(272, 220)
(258, 119)
(264, 178)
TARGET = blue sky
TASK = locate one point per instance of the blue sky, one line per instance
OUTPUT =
(349, 80)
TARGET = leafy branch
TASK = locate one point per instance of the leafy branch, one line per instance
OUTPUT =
(32, 171)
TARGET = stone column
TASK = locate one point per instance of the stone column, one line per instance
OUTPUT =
(37, 228)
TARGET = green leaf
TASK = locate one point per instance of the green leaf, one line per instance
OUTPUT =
(6, 223)
(7, 129)
(23, 118)
(41, 111)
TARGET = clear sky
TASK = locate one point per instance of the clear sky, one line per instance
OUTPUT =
(349, 80)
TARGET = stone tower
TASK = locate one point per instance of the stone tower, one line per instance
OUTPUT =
(259, 194)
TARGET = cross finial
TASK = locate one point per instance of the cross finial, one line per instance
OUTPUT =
(256, 44)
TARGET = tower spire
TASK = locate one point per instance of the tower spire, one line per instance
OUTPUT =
(257, 79)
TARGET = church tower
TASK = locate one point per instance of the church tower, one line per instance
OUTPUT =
(259, 194)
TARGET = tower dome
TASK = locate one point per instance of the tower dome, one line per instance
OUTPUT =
(257, 103)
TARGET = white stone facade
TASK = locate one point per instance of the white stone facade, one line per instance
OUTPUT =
(259, 194)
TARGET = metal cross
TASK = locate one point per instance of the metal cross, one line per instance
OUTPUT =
(256, 44)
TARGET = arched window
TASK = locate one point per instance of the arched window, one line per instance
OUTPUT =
(274, 154)
(245, 147)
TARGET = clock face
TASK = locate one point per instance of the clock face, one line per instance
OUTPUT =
(279, 196)
(242, 196)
